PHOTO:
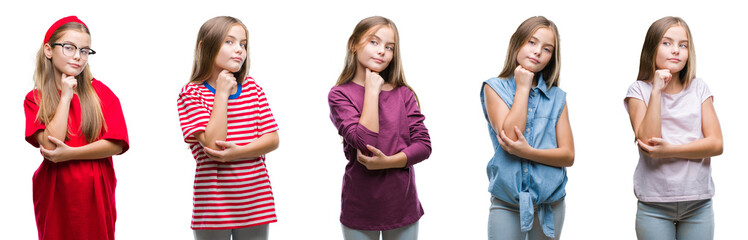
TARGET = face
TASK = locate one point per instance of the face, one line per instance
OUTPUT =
(672, 52)
(233, 50)
(538, 50)
(376, 50)
(70, 65)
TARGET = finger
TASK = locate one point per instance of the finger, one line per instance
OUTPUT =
(501, 141)
(655, 141)
(519, 134)
(223, 144)
(55, 141)
(374, 150)
(644, 146)
(504, 137)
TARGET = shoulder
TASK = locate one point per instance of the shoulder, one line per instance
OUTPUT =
(341, 90)
(249, 82)
(190, 89)
(557, 91)
(105, 94)
(32, 95)
(698, 83)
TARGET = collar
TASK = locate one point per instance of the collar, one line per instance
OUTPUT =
(232, 96)
(542, 86)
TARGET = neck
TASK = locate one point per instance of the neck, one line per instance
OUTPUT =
(360, 76)
(214, 76)
(675, 85)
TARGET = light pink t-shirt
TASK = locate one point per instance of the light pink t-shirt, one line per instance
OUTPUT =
(674, 179)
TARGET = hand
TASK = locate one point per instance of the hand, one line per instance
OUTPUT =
(514, 147)
(226, 82)
(228, 152)
(662, 78)
(68, 85)
(655, 147)
(378, 161)
(373, 81)
(523, 77)
(61, 153)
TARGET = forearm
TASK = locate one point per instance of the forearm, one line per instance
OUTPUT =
(702, 148)
(102, 148)
(557, 157)
(399, 160)
(517, 114)
(370, 112)
(57, 127)
(651, 125)
(261, 146)
(217, 126)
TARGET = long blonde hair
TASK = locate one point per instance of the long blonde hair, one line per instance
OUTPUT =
(520, 37)
(393, 73)
(647, 62)
(209, 41)
(47, 96)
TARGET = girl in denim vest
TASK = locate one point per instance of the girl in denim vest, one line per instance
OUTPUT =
(528, 122)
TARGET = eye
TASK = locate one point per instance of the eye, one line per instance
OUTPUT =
(531, 42)
(243, 45)
(373, 42)
(666, 43)
(547, 49)
(229, 42)
(390, 48)
(683, 46)
(69, 47)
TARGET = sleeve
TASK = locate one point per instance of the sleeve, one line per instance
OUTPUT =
(266, 123)
(703, 90)
(420, 141)
(504, 88)
(193, 113)
(33, 125)
(116, 128)
(635, 91)
(345, 116)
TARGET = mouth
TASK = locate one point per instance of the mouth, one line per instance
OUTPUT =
(378, 60)
(674, 60)
(75, 65)
(238, 59)
(534, 60)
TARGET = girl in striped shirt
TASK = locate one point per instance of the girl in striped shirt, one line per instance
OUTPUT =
(227, 123)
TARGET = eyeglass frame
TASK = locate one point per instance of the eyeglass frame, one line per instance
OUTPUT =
(90, 51)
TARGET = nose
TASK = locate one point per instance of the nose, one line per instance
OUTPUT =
(380, 49)
(77, 55)
(675, 50)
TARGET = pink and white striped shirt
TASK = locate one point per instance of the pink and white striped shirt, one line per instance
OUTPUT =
(234, 194)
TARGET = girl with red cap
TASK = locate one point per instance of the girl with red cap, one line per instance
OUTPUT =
(77, 123)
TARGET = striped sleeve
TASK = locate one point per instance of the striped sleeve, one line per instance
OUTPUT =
(266, 122)
(193, 112)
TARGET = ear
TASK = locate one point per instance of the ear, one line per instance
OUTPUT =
(48, 51)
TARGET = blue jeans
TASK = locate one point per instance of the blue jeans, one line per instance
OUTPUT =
(675, 220)
(409, 232)
(503, 221)
(259, 232)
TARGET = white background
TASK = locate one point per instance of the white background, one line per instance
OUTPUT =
(145, 53)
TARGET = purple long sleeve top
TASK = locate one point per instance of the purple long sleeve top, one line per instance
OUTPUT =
(379, 199)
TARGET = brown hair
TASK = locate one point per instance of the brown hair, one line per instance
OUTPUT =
(647, 63)
(47, 97)
(520, 37)
(209, 41)
(393, 73)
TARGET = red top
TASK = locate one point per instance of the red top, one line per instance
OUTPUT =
(75, 199)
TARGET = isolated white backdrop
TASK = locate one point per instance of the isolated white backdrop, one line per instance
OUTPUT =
(297, 49)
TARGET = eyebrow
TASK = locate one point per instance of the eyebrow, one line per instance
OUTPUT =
(379, 38)
(538, 40)
(230, 36)
(76, 45)
(667, 38)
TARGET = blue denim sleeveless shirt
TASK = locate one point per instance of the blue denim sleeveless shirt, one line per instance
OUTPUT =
(520, 181)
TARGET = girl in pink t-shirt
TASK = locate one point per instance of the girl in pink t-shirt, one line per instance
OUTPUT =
(677, 133)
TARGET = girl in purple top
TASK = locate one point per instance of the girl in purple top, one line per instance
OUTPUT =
(677, 133)
(378, 116)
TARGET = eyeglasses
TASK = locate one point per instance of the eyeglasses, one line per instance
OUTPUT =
(69, 50)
